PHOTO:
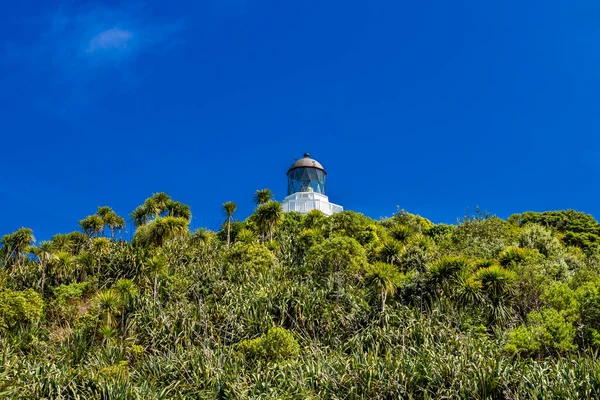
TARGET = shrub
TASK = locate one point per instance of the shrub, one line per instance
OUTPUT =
(276, 345)
(64, 293)
(247, 260)
(539, 238)
(337, 254)
(415, 222)
(548, 331)
(481, 236)
(20, 307)
(440, 231)
(115, 372)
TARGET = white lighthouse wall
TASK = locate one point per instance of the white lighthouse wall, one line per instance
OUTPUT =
(303, 202)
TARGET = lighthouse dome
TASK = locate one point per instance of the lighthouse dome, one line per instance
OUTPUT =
(306, 162)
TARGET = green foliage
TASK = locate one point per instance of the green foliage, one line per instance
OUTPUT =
(336, 254)
(246, 260)
(156, 233)
(401, 233)
(547, 331)
(444, 274)
(539, 238)
(511, 256)
(480, 236)
(385, 279)
(419, 252)
(105, 218)
(397, 308)
(115, 372)
(20, 307)
(276, 345)
(497, 288)
(578, 229)
(64, 293)
(267, 218)
(314, 219)
(13, 246)
(228, 209)
(416, 223)
(440, 231)
(263, 196)
(235, 228)
(391, 252)
(160, 220)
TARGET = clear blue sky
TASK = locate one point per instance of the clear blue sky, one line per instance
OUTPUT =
(435, 106)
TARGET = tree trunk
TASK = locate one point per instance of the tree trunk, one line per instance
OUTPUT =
(228, 231)
(383, 298)
(122, 323)
(155, 286)
(43, 277)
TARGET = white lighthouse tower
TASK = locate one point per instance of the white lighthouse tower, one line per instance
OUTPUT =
(306, 188)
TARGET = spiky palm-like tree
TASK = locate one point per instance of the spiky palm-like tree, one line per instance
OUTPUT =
(468, 293)
(160, 219)
(60, 242)
(109, 305)
(45, 256)
(92, 225)
(385, 279)
(179, 210)
(14, 245)
(105, 213)
(445, 274)
(202, 235)
(63, 265)
(391, 252)
(156, 266)
(152, 208)
(87, 262)
(139, 216)
(497, 287)
(158, 203)
(268, 216)
(116, 223)
(111, 220)
(100, 248)
(263, 196)
(228, 210)
(127, 291)
(401, 233)
(159, 231)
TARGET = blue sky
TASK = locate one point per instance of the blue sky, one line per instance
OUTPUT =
(433, 106)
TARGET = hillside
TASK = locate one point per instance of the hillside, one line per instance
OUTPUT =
(289, 306)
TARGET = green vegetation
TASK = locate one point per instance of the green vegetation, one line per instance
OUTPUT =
(291, 306)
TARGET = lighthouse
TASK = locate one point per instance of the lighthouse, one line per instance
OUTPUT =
(306, 188)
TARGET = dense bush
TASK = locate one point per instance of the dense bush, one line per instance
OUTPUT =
(277, 344)
(291, 306)
(20, 308)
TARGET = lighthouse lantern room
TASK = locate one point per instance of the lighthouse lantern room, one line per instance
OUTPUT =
(306, 188)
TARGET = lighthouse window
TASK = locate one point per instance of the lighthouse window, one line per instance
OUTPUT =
(306, 180)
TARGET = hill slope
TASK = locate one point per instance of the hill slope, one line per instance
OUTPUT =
(303, 307)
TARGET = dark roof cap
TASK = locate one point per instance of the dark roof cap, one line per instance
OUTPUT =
(306, 162)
